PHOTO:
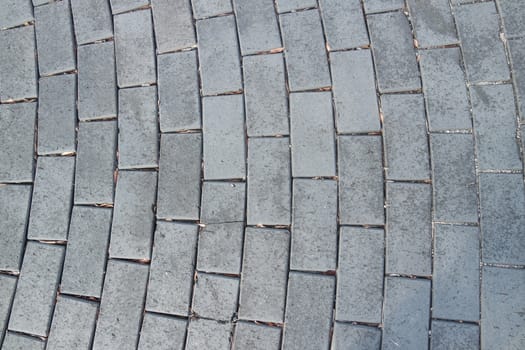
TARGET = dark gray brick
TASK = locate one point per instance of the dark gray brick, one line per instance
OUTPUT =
(57, 114)
(502, 306)
(134, 48)
(484, 54)
(264, 272)
(308, 311)
(344, 24)
(179, 102)
(312, 134)
(15, 341)
(360, 180)
(54, 35)
(215, 296)
(222, 202)
(207, 8)
(268, 181)
(178, 195)
(208, 334)
(305, 51)
(171, 275)
(162, 332)
(15, 13)
(452, 335)
(97, 144)
(291, 5)
(265, 95)
(352, 337)
(7, 292)
(513, 13)
(133, 216)
(433, 22)
(409, 229)
(220, 66)
(36, 289)
(118, 6)
(256, 337)
(220, 248)
(517, 52)
(92, 20)
(52, 198)
(405, 134)
(173, 17)
(86, 251)
(360, 275)
(224, 147)
(121, 307)
(382, 5)
(502, 218)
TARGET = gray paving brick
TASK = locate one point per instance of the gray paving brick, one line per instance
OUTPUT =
(57, 114)
(208, 334)
(484, 54)
(18, 64)
(171, 275)
(92, 20)
(308, 311)
(36, 289)
(86, 252)
(15, 341)
(14, 211)
(502, 218)
(344, 24)
(314, 237)
(264, 272)
(179, 101)
(17, 13)
(382, 5)
(496, 140)
(52, 198)
(409, 230)
(97, 145)
(360, 275)
(394, 55)
(134, 48)
(257, 25)
(433, 22)
(454, 178)
(352, 337)
(222, 202)
(312, 134)
(265, 95)
(133, 216)
(305, 51)
(171, 17)
(121, 307)
(224, 147)
(73, 324)
(451, 335)
(220, 66)
(118, 6)
(220, 248)
(406, 313)
(162, 332)
(178, 195)
(445, 89)
(405, 134)
(517, 53)
(97, 83)
(256, 337)
(361, 199)
(269, 181)
(207, 8)
(7, 292)
(512, 12)
(215, 296)
(291, 5)
(40, 2)
(55, 38)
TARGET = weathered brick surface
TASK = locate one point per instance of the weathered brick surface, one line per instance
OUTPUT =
(220, 248)
(215, 296)
(92, 20)
(517, 53)
(208, 8)
(208, 334)
(222, 202)
(7, 293)
(256, 337)
(291, 5)
(344, 24)
(162, 332)
(15, 13)
(170, 17)
(17, 341)
(347, 336)
(433, 22)
(452, 335)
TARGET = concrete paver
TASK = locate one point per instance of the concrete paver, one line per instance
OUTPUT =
(256, 337)
(347, 336)
(92, 20)
(162, 332)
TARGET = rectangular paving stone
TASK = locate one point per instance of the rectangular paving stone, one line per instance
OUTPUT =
(291, 5)
(162, 332)
(308, 311)
(268, 181)
(406, 313)
(40, 2)
(264, 274)
(222, 202)
(92, 20)
(134, 48)
(382, 5)
(312, 134)
(36, 289)
(16, 341)
(483, 51)
(95, 165)
(73, 324)
(118, 6)
(512, 13)
(208, 334)
(86, 252)
(502, 218)
(306, 60)
(178, 85)
(220, 248)
(445, 89)
(265, 95)
(355, 337)
(97, 83)
(178, 195)
(52, 198)
(208, 8)
(256, 337)
(55, 38)
(344, 24)
(517, 53)
(170, 17)
(360, 275)
(452, 335)
(314, 237)
(433, 22)
(7, 293)
(394, 55)
(121, 306)
(133, 215)
(215, 296)
(172, 270)
(409, 229)
(361, 199)
(57, 114)
(16, 13)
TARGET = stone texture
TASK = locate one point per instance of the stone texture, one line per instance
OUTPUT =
(118, 6)
(344, 24)
(382, 5)
(172, 17)
(433, 22)
(222, 202)
(208, 334)
(17, 13)
(517, 53)
(291, 5)
(162, 332)
(92, 20)
(451, 335)
(208, 8)
(512, 13)
(16, 341)
(349, 337)
(220, 248)
(7, 293)
(215, 296)
(256, 337)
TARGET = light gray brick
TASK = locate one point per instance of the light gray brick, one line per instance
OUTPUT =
(353, 337)
(16, 341)
(215, 296)
(162, 332)
(433, 22)
(7, 293)
(263, 280)
(517, 53)
(291, 5)
(344, 24)
(118, 6)
(173, 17)
(452, 335)
(512, 12)
(40, 2)
(382, 5)
(222, 202)
(305, 52)
(92, 20)
(208, 334)
(208, 8)
(15, 13)
(256, 337)
(220, 248)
